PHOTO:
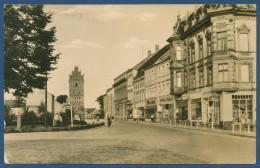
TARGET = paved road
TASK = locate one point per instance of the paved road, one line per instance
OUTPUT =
(129, 143)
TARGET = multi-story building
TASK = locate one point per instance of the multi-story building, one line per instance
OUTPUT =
(109, 107)
(213, 64)
(130, 93)
(138, 83)
(120, 89)
(152, 108)
(76, 92)
(164, 98)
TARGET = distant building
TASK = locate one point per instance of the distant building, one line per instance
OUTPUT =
(35, 99)
(88, 112)
(76, 91)
(120, 89)
(109, 107)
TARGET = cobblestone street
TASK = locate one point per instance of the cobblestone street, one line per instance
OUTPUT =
(129, 143)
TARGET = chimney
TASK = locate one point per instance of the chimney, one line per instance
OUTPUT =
(156, 48)
(149, 52)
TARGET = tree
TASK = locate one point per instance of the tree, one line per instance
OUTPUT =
(100, 101)
(28, 48)
(62, 99)
(8, 116)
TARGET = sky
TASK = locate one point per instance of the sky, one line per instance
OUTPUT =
(106, 40)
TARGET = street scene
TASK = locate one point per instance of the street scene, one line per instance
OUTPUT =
(130, 143)
(130, 84)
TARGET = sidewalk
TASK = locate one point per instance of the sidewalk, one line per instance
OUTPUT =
(251, 134)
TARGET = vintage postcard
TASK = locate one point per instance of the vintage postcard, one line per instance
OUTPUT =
(130, 84)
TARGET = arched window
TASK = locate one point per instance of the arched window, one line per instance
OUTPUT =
(76, 85)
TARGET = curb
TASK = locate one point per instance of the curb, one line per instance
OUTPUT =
(188, 128)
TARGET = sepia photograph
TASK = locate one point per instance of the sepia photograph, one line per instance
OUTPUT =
(129, 84)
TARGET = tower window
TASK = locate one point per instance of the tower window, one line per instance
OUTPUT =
(76, 85)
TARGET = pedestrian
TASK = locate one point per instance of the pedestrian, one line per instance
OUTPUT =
(109, 122)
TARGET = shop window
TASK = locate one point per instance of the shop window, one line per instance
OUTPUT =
(210, 75)
(196, 109)
(201, 77)
(244, 73)
(222, 72)
(242, 107)
(222, 41)
(178, 79)
(178, 52)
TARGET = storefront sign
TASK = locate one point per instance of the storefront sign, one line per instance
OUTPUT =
(184, 96)
(150, 102)
(167, 99)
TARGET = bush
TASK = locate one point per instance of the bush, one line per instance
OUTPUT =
(8, 117)
(79, 122)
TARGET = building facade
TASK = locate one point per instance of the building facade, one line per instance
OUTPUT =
(109, 107)
(120, 89)
(76, 92)
(213, 64)
(151, 70)
(130, 93)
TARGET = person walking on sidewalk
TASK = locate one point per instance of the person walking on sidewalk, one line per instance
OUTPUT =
(109, 121)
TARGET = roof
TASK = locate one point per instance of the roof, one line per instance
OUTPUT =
(89, 110)
(153, 59)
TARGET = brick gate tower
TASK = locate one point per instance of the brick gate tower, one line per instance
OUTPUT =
(76, 93)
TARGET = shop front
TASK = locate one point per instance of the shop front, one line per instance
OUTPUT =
(150, 108)
(167, 107)
(182, 107)
(196, 112)
(238, 108)
(129, 110)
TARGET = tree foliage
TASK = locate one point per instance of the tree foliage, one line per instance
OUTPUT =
(8, 116)
(100, 101)
(28, 48)
(62, 99)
